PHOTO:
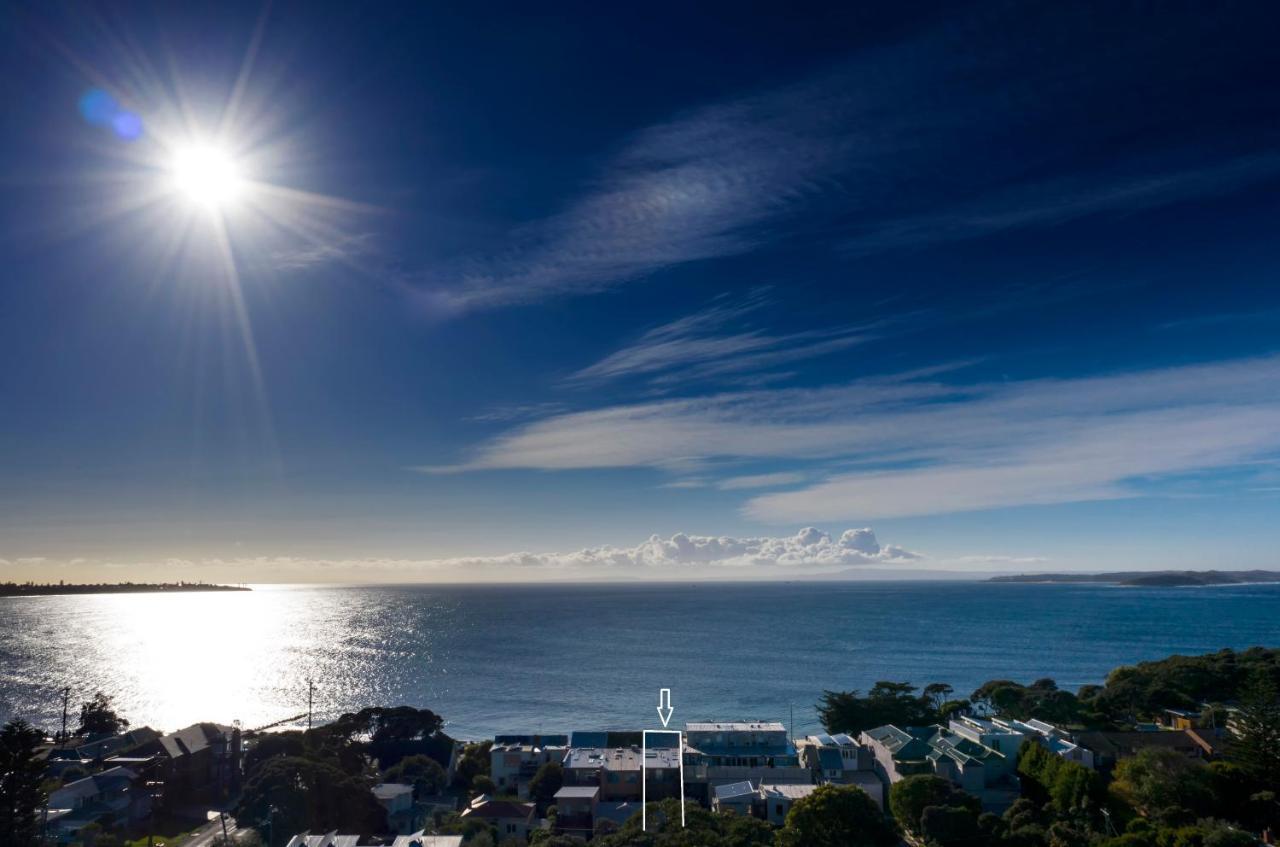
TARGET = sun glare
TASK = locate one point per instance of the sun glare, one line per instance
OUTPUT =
(207, 175)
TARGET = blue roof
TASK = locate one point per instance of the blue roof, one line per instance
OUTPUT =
(589, 739)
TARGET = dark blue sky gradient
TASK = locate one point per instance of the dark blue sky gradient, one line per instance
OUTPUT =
(999, 195)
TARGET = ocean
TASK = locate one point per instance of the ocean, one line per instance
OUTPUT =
(555, 658)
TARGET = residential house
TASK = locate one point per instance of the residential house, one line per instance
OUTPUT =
(515, 760)
(512, 819)
(79, 752)
(737, 797)
(1055, 740)
(721, 753)
(840, 760)
(1108, 748)
(115, 796)
(101, 748)
(576, 809)
(777, 799)
(618, 770)
(397, 799)
(201, 761)
(1180, 719)
(898, 753)
(972, 766)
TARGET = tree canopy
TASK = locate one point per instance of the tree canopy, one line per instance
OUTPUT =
(98, 717)
(21, 774)
(290, 794)
(886, 702)
(909, 798)
(836, 816)
(422, 772)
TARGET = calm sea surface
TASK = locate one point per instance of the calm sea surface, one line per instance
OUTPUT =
(557, 658)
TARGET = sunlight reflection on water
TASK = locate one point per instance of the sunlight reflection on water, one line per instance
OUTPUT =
(555, 658)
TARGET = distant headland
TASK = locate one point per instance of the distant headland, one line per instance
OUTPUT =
(1149, 578)
(33, 589)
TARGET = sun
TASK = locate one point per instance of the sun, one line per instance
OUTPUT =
(207, 176)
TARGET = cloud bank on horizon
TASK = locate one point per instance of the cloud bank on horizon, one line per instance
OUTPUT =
(809, 551)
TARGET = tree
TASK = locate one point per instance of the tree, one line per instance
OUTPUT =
(483, 784)
(938, 693)
(1157, 779)
(886, 703)
(910, 797)
(20, 776)
(949, 825)
(1041, 699)
(472, 761)
(422, 772)
(98, 717)
(1256, 748)
(289, 794)
(836, 816)
(545, 783)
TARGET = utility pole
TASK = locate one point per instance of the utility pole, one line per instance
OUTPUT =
(66, 699)
(311, 688)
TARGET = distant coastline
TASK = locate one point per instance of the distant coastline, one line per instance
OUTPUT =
(33, 589)
(1150, 579)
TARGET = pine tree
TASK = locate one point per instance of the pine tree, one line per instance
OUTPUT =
(20, 777)
(1257, 744)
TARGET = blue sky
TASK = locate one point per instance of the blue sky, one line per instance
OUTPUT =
(645, 293)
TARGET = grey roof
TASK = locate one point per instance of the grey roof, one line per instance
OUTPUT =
(554, 740)
(772, 791)
(736, 726)
(197, 737)
(67, 796)
(581, 792)
(329, 839)
(621, 758)
(959, 748)
(391, 790)
(734, 789)
(419, 839)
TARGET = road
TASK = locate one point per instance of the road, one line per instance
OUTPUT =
(207, 834)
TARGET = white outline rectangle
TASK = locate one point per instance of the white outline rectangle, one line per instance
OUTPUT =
(644, 749)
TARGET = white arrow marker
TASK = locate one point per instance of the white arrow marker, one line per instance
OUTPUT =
(664, 705)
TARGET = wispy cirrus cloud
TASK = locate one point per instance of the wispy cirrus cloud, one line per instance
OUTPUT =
(718, 342)
(1041, 203)
(763, 480)
(882, 151)
(918, 446)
